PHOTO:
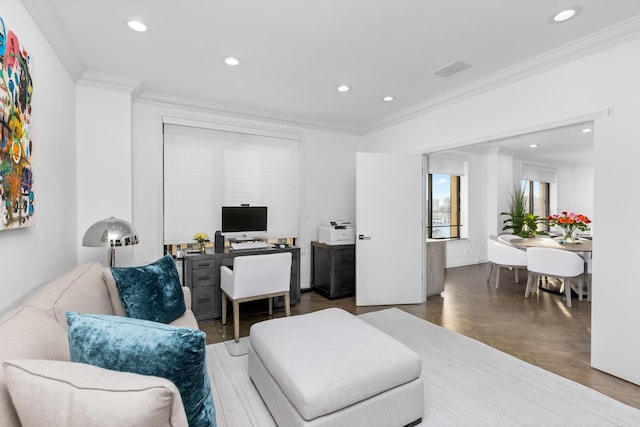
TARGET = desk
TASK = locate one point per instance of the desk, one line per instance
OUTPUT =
(202, 276)
(582, 246)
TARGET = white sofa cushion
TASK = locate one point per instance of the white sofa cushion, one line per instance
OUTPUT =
(82, 289)
(118, 308)
(67, 394)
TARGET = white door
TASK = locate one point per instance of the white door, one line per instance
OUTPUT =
(389, 229)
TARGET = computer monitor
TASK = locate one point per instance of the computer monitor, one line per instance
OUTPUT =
(244, 220)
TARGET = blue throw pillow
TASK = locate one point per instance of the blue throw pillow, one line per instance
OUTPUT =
(152, 292)
(147, 348)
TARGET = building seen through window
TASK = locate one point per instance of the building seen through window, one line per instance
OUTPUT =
(443, 206)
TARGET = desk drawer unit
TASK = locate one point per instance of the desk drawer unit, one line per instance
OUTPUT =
(201, 275)
(333, 269)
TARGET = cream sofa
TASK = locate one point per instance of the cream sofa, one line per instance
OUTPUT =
(37, 328)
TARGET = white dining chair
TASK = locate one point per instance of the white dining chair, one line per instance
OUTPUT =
(588, 277)
(507, 238)
(553, 262)
(504, 255)
(255, 277)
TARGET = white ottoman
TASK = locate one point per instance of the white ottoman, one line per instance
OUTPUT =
(329, 368)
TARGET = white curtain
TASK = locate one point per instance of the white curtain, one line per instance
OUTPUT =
(205, 169)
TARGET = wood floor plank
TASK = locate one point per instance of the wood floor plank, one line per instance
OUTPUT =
(540, 329)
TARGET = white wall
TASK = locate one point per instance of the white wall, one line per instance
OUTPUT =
(575, 190)
(328, 167)
(31, 256)
(104, 164)
(600, 87)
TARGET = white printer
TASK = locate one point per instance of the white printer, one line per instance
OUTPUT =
(337, 233)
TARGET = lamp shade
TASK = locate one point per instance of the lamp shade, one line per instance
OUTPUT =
(112, 233)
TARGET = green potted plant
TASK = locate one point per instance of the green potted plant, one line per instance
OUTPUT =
(517, 204)
(531, 222)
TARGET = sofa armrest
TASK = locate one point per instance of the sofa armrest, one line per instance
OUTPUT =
(187, 297)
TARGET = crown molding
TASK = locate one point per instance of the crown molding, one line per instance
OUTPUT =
(48, 21)
(245, 113)
(589, 45)
(119, 83)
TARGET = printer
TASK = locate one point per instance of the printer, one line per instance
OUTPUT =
(337, 233)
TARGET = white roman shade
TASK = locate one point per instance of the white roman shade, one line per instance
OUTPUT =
(533, 172)
(205, 169)
(447, 166)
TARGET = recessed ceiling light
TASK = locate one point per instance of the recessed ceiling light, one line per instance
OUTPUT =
(343, 88)
(533, 146)
(388, 98)
(586, 130)
(137, 26)
(231, 60)
(566, 14)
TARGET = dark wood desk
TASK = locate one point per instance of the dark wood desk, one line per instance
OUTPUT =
(201, 274)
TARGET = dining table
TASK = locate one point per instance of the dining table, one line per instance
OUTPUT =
(582, 246)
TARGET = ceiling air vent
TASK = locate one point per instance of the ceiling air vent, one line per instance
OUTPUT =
(451, 69)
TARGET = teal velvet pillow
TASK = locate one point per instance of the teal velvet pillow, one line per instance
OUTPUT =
(147, 348)
(152, 292)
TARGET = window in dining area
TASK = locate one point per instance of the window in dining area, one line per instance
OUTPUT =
(443, 206)
(537, 194)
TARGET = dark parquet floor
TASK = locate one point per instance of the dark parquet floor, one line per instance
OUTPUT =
(540, 329)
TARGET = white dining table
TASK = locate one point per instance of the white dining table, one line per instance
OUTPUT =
(582, 245)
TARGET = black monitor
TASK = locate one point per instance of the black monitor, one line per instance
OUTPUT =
(242, 219)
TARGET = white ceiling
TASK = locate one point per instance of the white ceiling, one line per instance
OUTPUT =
(566, 145)
(295, 52)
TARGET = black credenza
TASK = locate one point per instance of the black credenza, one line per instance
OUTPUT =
(333, 269)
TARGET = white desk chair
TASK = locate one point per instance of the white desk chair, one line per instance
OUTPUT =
(504, 255)
(558, 263)
(255, 277)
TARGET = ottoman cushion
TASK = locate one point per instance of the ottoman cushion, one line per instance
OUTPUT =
(328, 360)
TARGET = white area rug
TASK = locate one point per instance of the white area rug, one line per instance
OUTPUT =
(466, 383)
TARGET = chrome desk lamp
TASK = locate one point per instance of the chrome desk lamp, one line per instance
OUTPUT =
(112, 233)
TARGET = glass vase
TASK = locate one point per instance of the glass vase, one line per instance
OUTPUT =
(569, 235)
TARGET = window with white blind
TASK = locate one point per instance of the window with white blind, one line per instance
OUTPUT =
(447, 200)
(205, 169)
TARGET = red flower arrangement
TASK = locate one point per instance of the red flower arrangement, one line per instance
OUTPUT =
(569, 222)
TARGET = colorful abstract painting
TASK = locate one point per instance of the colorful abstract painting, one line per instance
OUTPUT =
(16, 173)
